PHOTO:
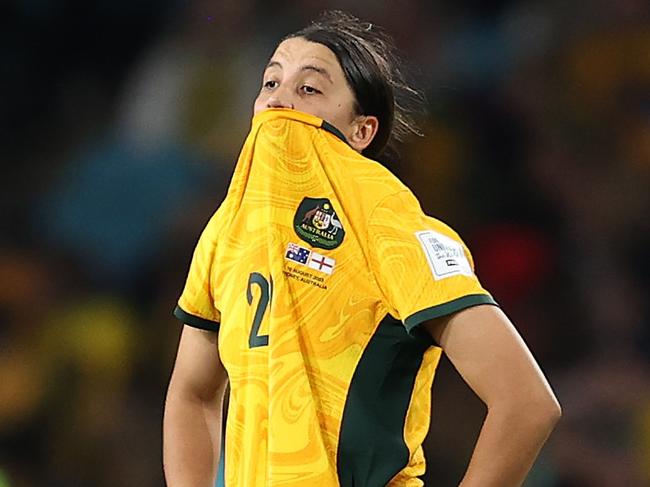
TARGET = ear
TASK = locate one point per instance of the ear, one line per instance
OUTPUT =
(363, 132)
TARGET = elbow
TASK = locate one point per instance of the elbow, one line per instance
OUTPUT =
(554, 410)
(547, 411)
(540, 412)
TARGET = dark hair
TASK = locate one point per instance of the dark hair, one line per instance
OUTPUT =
(369, 61)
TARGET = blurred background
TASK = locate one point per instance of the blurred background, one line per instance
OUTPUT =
(121, 121)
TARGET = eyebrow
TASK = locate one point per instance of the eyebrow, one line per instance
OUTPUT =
(306, 67)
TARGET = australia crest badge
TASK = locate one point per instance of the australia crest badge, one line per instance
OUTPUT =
(317, 223)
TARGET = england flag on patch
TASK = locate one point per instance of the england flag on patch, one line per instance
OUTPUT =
(321, 263)
(297, 253)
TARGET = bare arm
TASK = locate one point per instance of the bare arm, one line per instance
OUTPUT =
(192, 423)
(492, 358)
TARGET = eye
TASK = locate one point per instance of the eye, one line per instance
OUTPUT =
(309, 90)
(270, 84)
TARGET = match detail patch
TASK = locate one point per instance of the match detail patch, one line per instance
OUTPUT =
(297, 253)
(445, 255)
(306, 257)
(321, 263)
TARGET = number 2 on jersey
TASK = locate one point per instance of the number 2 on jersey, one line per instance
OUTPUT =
(255, 340)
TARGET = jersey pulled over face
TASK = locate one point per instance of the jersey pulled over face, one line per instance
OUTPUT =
(316, 271)
(307, 76)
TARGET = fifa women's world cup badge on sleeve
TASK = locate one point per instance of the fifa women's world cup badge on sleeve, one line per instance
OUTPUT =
(316, 223)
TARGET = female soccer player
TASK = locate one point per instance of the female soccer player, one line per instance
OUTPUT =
(324, 296)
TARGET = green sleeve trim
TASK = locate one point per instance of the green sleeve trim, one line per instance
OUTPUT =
(447, 308)
(195, 321)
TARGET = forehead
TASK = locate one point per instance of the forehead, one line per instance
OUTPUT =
(298, 51)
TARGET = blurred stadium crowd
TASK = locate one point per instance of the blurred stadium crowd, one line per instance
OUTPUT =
(120, 125)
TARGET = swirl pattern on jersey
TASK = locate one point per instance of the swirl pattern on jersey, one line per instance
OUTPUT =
(303, 346)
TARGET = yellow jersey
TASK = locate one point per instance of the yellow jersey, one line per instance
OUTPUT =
(316, 271)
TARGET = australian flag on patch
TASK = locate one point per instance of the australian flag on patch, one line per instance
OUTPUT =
(297, 253)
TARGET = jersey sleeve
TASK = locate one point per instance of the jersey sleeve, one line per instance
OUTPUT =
(422, 267)
(196, 305)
